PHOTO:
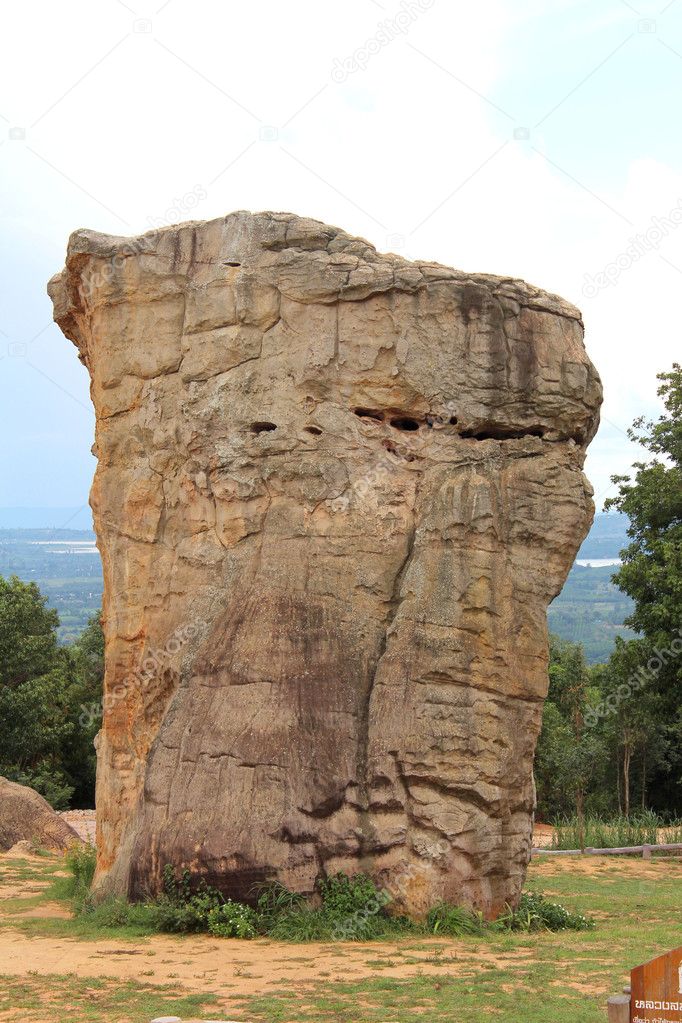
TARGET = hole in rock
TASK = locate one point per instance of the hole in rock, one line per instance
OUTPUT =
(404, 423)
(313, 429)
(503, 433)
(231, 262)
(262, 427)
(368, 413)
(453, 420)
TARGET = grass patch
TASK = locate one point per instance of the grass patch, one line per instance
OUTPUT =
(68, 997)
(502, 994)
(350, 909)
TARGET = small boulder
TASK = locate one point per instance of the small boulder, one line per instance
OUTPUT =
(26, 817)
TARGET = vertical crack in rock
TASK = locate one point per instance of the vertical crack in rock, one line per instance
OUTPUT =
(288, 423)
(368, 832)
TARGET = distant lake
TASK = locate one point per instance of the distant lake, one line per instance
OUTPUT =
(597, 562)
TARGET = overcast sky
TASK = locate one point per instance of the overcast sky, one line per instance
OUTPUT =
(528, 138)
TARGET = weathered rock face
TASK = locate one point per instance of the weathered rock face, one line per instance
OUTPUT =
(335, 493)
(26, 817)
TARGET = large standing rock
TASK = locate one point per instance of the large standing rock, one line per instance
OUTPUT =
(336, 492)
(26, 817)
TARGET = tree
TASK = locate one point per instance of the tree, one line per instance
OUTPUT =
(634, 727)
(570, 757)
(28, 632)
(651, 571)
(85, 703)
(47, 694)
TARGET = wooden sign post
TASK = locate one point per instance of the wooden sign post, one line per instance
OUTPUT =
(656, 990)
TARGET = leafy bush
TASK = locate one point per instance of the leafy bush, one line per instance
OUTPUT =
(343, 895)
(81, 860)
(352, 909)
(233, 920)
(536, 913)
(180, 909)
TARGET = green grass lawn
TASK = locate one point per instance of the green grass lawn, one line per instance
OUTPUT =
(538, 978)
(65, 998)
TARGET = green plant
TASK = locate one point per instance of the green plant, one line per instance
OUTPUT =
(180, 909)
(352, 909)
(343, 895)
(536, 913)
(274, 900)
(300, 924)
(80, 860)
(616, 832)
(233, 920)
(454, 920)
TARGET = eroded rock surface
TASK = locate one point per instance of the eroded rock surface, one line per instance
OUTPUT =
(335, 493)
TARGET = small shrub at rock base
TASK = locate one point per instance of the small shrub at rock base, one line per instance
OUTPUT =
(536, 913)
(233, 920)
(454, 921)
(81, 860)
(352, 909)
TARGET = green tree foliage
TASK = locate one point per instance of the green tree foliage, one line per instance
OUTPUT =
(611, 740)
(45, 739)
(571, 757)
(28, 637)
(85, 698)
(651, 574)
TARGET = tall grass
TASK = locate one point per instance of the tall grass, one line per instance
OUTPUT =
(81, 860)
(645, 828)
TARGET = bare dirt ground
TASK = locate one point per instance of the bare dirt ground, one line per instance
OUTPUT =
(39, 953)
(200, 963)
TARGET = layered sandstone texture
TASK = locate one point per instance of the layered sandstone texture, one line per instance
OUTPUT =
(335, 494)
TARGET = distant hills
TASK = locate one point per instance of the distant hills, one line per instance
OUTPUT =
(46, 518)
(65, 563)
(606, 538)
(590, 609)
